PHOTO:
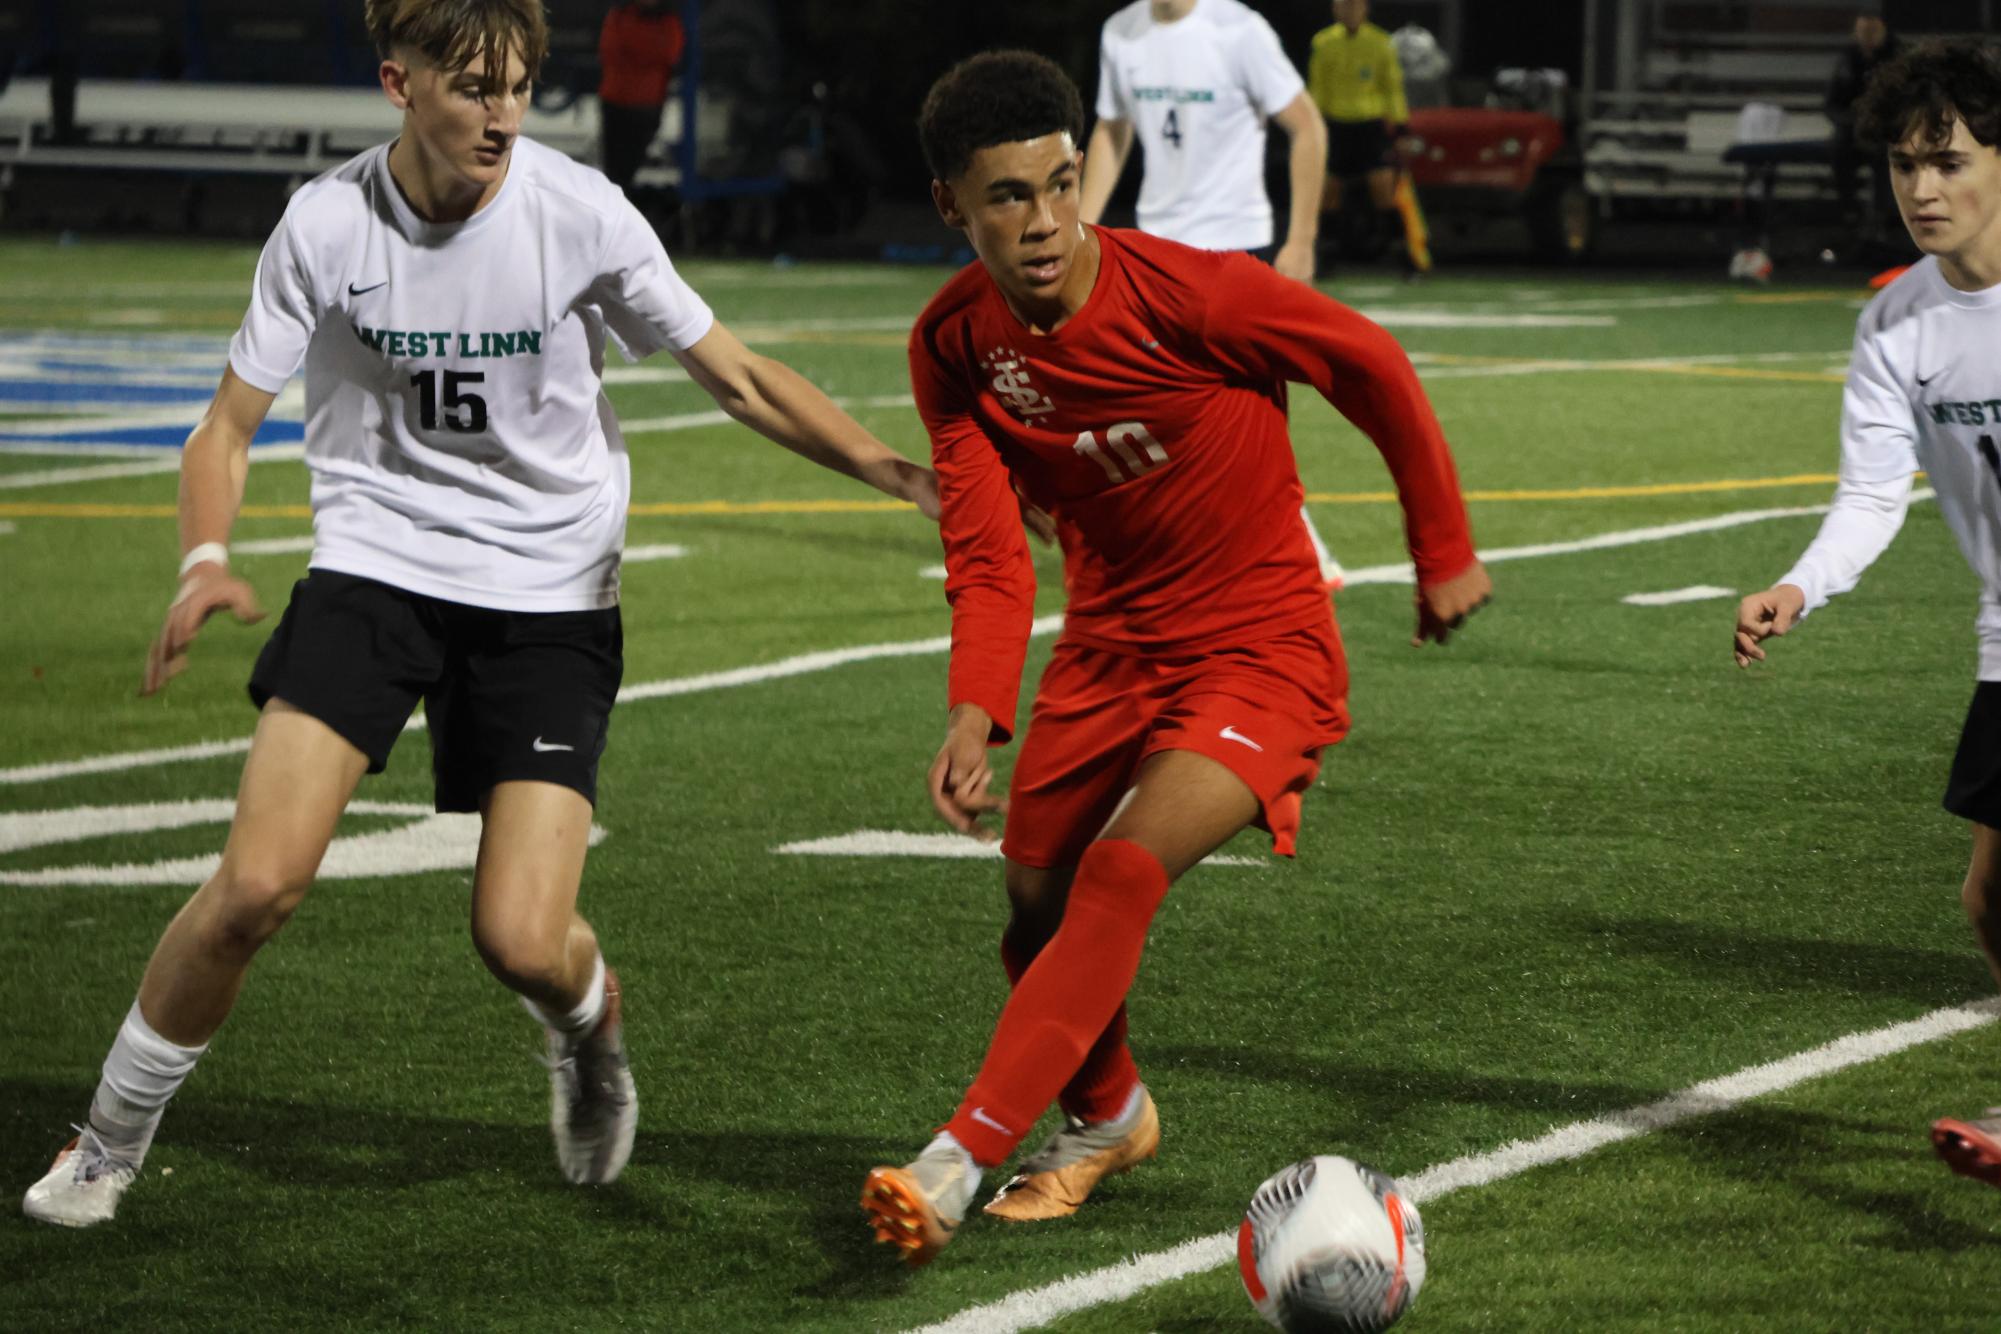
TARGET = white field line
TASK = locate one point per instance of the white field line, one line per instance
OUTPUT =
(683, 421)
(1391, 317)
(896, 843)
(6, 527)
(1432, 369)
(807, 663)
(1693, 593)
(1403, 574)
(803, 665)
(98, 472)
(657, 551)
(272, 546)
(1034, 1307)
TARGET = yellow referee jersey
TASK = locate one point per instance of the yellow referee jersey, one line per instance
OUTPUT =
(1355, 76)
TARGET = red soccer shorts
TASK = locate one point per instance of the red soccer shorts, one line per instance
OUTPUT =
(1264, 711)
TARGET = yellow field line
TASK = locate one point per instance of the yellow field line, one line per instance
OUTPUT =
(686, 508)
(1666, 366)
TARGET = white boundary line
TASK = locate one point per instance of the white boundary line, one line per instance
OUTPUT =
(1034, 1307)
(807, 663)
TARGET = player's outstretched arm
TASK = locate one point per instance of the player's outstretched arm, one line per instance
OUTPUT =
(214, 464)
(1762, 615)
(784, 406)
(1307, 164)
(1104, 159)
(961, 777)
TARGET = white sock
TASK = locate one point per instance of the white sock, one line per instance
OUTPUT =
(946, 1142)
(1129, 1112)
(140, 1075)
(582, 1019)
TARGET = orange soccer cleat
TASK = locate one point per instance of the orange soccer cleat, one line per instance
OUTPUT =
(1060, 1176)
(1971, 1148)
(918, 1208)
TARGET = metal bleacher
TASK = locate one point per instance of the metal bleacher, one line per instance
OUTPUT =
(246, 128)
(284, 88)
(1685, 73)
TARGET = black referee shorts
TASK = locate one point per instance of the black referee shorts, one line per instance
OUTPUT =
(1974, 790)
(509, 695)
(1356, 148)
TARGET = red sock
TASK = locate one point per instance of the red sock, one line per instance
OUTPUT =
(1064, 1003)
(1101, 1086)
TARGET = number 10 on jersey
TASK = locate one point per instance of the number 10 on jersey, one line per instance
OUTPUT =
(1131, 442)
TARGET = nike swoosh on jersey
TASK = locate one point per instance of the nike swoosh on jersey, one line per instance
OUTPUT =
(542, 747)
(352, 290)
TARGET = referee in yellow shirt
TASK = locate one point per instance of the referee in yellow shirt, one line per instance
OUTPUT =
(1355, 79)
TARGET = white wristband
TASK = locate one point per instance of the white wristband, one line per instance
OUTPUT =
(205, 552)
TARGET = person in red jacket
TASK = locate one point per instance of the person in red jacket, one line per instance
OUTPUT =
(638, 49)
(1135, 389)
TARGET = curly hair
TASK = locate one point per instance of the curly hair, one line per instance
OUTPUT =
(996, 97)
(450, 33)
(1923, 90)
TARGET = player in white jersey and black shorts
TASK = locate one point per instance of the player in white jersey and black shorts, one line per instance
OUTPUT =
(450, 296)
(1924, 392)
(1196, 81)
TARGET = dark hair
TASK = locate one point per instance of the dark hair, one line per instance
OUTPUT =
(1921, 91)
(996, 97)
(450, 33)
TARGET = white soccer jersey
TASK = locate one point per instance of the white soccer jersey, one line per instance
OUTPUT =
(1198, 92)
(457, 431)
(1923, 391)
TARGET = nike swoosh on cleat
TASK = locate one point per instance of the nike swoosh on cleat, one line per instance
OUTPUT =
(980, 1115)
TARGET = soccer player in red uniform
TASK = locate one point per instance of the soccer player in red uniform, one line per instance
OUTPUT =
(1135, 389)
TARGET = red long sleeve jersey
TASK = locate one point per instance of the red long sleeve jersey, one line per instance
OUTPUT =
(1152, 425)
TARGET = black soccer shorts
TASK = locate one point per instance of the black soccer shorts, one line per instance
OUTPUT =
(1974, 790)
(509, 695)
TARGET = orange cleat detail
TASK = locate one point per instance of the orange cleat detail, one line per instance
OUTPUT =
(1970, 1148)
(904, 1217)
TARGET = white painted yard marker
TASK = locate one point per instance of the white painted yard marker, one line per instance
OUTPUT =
(6, 527)
(1034, 1307)
(658, 551)
(427, 841)
(932, 572)
(1693, 593)
(895, 843)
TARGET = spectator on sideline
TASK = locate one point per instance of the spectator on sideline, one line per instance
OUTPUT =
(639, 48)
(1873, 46)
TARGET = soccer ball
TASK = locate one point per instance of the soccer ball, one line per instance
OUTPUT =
(1328, 1245)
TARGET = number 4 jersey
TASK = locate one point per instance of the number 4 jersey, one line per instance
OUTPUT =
(1923, 391)
(457, 432)
(1152, 425)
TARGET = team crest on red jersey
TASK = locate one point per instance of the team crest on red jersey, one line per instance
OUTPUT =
(1010, 371)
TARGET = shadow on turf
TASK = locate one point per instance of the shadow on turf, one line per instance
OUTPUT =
(1777, 963)
(366, 1150)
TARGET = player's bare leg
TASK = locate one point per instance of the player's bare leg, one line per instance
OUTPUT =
(1973, 1148)
(296, 781)
(525, 923)
(1181, 808)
